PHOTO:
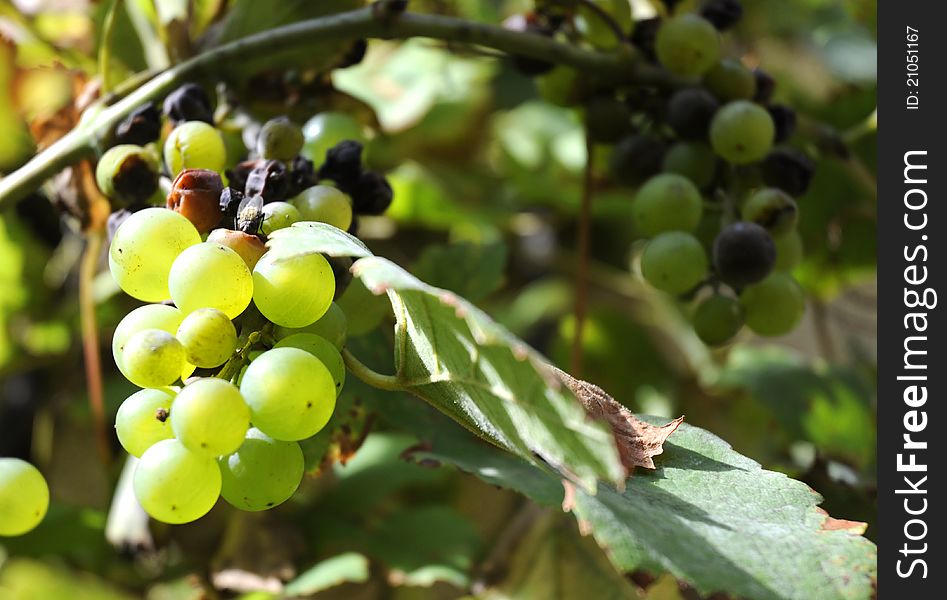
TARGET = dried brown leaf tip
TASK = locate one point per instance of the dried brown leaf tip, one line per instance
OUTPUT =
(638, 442)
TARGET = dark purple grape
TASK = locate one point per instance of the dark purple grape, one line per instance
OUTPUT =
(636, 158)
(343, 163)
(690, 112)
(765, 86)
(784, 121)
(743, 254)
(270, 180)
(189, 103)
(723, 14)
(789, 170)
(141, 127)
(371, 195)
(645, 35)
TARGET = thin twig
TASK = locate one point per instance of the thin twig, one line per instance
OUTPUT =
(90, 339)
(370, 376)
(582, 273)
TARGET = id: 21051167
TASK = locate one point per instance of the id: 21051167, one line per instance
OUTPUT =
(912, 56)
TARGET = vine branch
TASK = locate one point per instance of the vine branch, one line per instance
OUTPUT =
(83, 141)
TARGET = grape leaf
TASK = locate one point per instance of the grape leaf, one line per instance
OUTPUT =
(331, 572)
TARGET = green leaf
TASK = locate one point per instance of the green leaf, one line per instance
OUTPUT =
(554, 562)
(470, 270)
(454, 356)
(348, 567)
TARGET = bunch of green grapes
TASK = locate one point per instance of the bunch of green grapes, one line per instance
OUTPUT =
(238, 353)
(715, 183)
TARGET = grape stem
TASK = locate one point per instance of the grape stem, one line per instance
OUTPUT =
(83, 141)
(392, 383)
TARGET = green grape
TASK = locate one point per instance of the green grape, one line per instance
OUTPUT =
(210, 417)
(742, 132)
(667, 202)
(211, 275)
(150, 316)
(143, 248)
(772, 209)
(290, 392)
(674, 262)
(127, 173)
(324, 204)
(597, 31)
(789, 251)
(24, 497)
(773, 306)
(364, 311)
(294, 291)
(694, 160)
(327, 129)
(153, 358)
(208, 337)
(175, 485)
(730, 80)
(717, 319)
(262, 473)
(687, 45)
(279, 139)
(333, 326)
(194, 145)
(277, 215)
(322, 349)
(142, 420)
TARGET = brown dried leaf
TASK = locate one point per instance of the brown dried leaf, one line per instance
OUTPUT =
(638, 442)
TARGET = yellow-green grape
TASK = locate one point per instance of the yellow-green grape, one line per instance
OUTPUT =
(262, 473)
(142, 420)
(694, 160)
(143, 249)
(322, 349)
(127, 173)
(717, 319)
(687, 45)
(290, 392)
(279, 139)
(293, 291)
(194, 145)
(324, 204)
(208, 336)
(730, 80)
(211, 275)
(210, 417)
(327, 129)
(364, 311)
(789, 251)
(333, 326)
(277, 215)
(772, 209)
(175, 485)
(674, 262)
(597, 31)
(742, 132)
(773, 306)
(153, 358)
(150, 316)
(667, 202)
(24, 497)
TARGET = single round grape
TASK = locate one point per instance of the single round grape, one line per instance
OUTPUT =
(142, 420)
(127, 174)
(717, 319)
(667, 202)
(194, 145)
(153, 358)
(175, 485)
(773, 306)
(789, 251)
(290, 393)
(249, 247)
(277, 215)
(208, 336)
(327, 129)
(143, 248)
(597, 31)
(742, 132)
(279, 139)
(694, 160)
(723, 14)
(195, 194)
(784, 122)
(333, 326)
(211, 275)
(635, 158)
(772, 209)
(743, 253)
(262, 473)
(364, 311)
(730, 80)
(674, 262)
(687, 45)
(322, 349)
(789, 170)
(324, 204)
(690, 112)
(294, 291)
(151, 316)
(24, 497)
(210, 417)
